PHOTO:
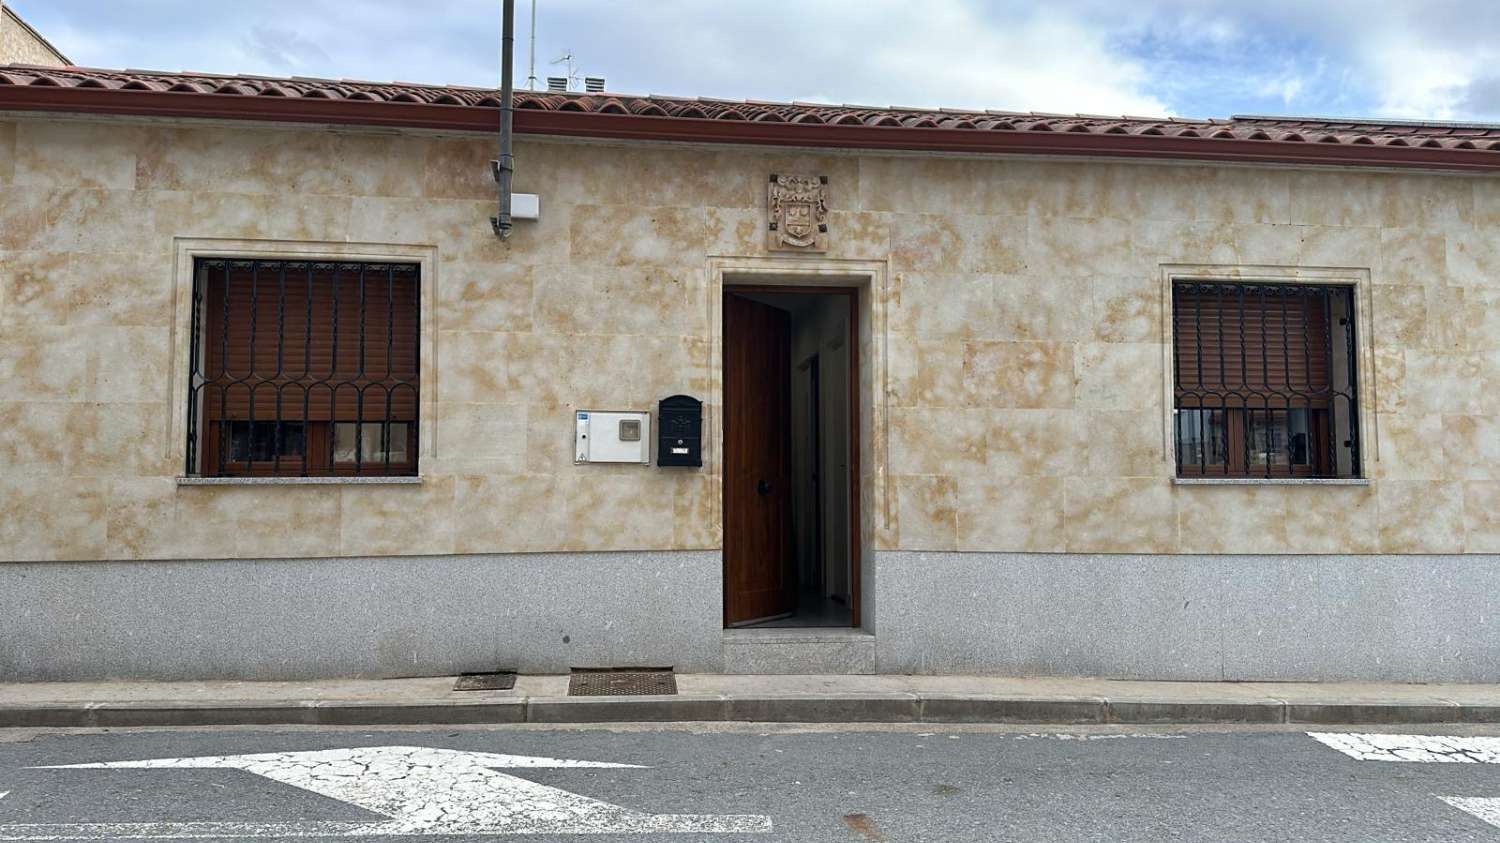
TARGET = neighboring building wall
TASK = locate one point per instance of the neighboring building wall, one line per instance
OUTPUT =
(20, 44)
(1025, 401)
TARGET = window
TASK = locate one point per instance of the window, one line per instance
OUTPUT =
(1265, 380)
(303, 368)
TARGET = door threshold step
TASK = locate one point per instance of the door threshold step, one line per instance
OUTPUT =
(797, 634)
(791, 650)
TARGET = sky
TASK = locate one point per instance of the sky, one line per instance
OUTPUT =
(1414, 59)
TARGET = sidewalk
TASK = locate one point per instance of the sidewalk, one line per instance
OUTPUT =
(706, 697)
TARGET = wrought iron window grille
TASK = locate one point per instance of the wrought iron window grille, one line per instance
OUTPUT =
(1265, 381)
(303, 368)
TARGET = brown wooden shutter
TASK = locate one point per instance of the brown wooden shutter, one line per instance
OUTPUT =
(318, 335)
(1247, 345)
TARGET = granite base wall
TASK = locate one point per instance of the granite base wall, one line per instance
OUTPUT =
(1378, 618)
(1429, 618)
(359, 617)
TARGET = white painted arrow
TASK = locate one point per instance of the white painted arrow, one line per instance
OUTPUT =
(423, 791)
(1485, 809)
(1425, 749)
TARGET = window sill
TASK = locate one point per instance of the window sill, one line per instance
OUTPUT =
(1270, 481)
(299, 481)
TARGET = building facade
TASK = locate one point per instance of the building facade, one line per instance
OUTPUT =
(20, 44)
(968, 384)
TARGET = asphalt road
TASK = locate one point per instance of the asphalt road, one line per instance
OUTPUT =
(851, 783)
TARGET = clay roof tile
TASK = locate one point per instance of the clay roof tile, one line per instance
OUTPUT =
(1183, 133)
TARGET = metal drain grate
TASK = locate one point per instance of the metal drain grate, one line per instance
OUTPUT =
(631, 682)
(502, 681)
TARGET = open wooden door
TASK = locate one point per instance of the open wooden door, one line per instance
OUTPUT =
(758, 578)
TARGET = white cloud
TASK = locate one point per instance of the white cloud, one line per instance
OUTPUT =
(955, 53)
(1034, 61)
(1286, 86)
(1397, 58)
(1429, 72)
(958, 53)
(285, 48)
(1423, 82)
(1202, 57)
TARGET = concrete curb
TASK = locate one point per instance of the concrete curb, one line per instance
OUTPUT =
(1196, 711)
(780, 708)
(1374, 712)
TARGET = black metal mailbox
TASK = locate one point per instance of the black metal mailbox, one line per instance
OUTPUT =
(680, 435)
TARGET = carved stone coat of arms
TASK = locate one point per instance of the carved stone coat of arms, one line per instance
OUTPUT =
(798, 207)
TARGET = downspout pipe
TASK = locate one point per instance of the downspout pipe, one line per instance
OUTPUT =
(505, 165)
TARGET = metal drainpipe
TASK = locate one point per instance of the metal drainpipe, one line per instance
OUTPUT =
(506, 165)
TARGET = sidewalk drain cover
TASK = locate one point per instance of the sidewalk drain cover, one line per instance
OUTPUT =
(636, 682)
(503, 681)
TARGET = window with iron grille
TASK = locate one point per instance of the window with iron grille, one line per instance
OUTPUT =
(1265, 380)
(303, 368)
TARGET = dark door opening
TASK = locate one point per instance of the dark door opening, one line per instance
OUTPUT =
(790, 472)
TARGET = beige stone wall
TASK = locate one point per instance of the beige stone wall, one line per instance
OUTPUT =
(1023, 406)
(20, 45)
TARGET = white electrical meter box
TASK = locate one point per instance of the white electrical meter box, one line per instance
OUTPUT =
(607, 436)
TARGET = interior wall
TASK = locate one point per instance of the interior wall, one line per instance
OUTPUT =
(821, 327)
(804, 504)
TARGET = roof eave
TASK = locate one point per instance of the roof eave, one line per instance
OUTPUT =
(580, 124)
(199, 106)
(460, 118)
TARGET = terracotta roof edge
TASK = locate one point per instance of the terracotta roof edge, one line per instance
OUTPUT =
(1367, 121)
(712, 120)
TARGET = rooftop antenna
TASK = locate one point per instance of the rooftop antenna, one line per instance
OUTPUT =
(531, 77)
(566, 59)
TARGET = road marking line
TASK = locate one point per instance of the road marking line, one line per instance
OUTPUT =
(1423, 749)
(181, 831)
(32, 832)
(1071, 736)
(413, 755)
(422, 791)
(1485, 809)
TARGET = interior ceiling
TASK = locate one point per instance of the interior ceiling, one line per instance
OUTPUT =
(798, 304)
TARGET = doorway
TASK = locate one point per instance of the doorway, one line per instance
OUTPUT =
(791, 532)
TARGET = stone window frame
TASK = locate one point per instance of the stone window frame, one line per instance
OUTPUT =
(186, 251)
(1357, 278)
